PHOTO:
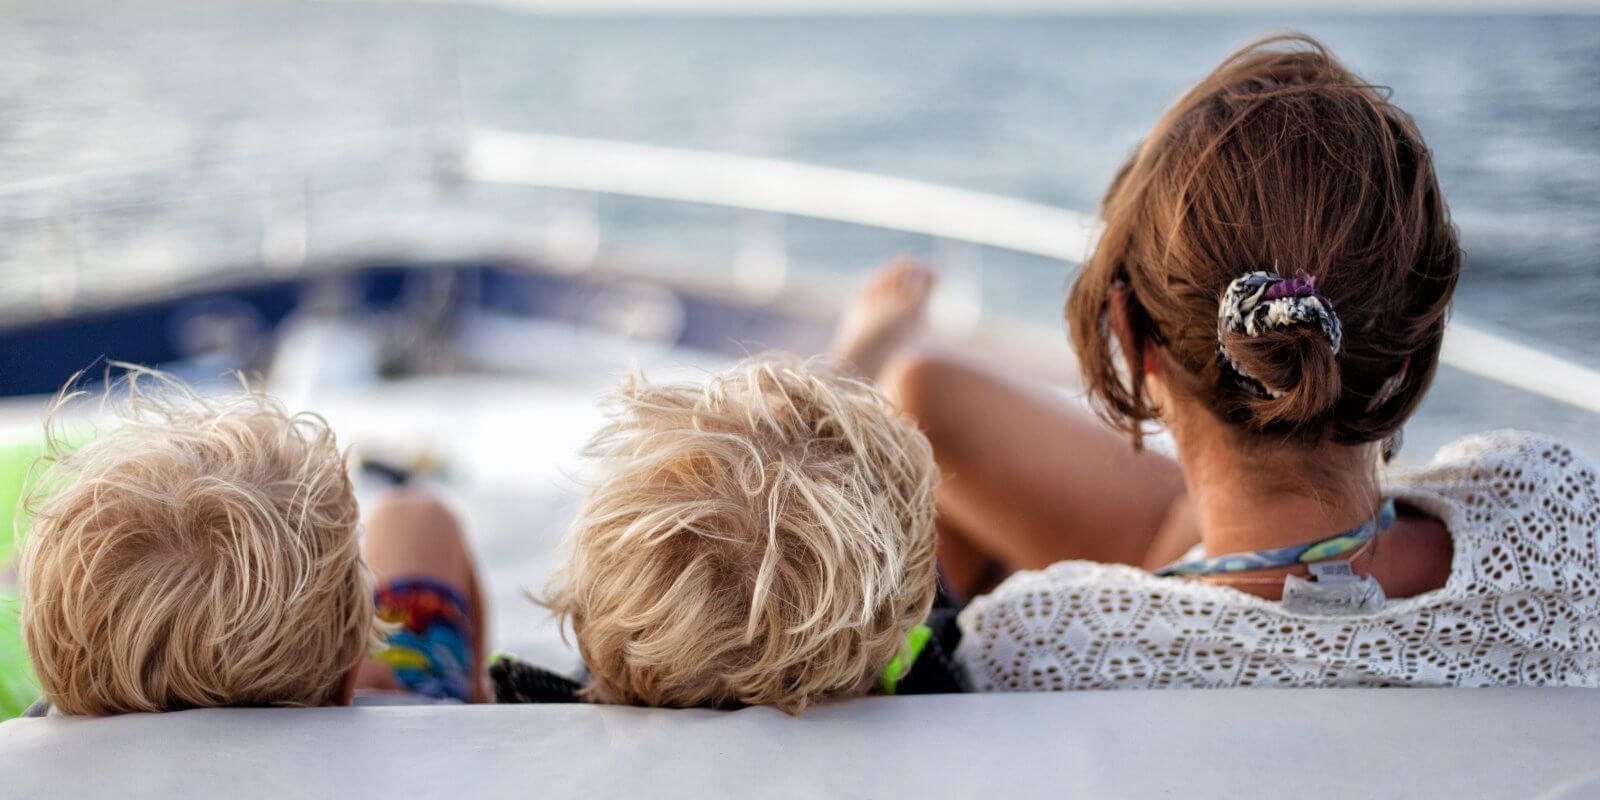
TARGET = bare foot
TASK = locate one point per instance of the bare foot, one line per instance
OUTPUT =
(886, 313)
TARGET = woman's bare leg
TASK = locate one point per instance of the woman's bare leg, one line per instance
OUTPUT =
(1028, 478)
(967, 569)
(413, 535)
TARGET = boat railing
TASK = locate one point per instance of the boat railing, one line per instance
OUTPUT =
(786, 188)
(753, 186)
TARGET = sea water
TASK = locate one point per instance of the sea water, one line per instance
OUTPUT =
(1038, 107)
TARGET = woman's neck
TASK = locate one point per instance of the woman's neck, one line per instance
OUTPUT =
(1259, 500)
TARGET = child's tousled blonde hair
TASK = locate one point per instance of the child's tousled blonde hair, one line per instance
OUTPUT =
(202, 552)
(765, 538)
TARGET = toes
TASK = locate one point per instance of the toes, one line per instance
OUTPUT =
(914, 278)
(886, 279)
(903, 278)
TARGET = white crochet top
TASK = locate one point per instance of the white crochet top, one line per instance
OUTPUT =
(1521, 605)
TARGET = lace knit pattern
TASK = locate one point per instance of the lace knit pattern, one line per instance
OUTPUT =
(1521, 605)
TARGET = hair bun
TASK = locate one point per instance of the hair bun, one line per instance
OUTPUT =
(1278, 339)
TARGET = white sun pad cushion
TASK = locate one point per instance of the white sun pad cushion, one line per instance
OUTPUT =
(1363, 743)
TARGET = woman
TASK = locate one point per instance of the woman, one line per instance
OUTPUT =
(1271, 286)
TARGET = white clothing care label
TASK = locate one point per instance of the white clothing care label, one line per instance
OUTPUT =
(1332, 572)
(1335, 591)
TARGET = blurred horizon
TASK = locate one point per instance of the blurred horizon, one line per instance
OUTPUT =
(852, 8)
(1007, 7)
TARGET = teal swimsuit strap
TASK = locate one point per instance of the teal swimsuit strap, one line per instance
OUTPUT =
(1335, 545)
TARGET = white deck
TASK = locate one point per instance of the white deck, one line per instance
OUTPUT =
(1303, 744)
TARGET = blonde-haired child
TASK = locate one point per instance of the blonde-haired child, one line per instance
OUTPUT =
(765, 537)
(204, 552)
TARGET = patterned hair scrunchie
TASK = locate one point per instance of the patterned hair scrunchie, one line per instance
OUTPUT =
(1256, 302)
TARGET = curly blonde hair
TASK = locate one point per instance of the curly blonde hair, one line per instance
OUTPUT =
(201, 552)
(764, 538)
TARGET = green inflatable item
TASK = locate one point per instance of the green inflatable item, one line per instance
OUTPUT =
(15, 461)
(18, 688)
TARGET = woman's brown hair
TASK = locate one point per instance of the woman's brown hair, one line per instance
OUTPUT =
(1280, 160)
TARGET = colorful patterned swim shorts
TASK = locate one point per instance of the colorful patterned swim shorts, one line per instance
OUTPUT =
(430, 650)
